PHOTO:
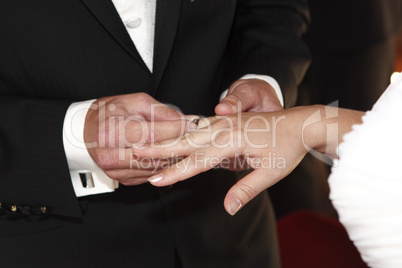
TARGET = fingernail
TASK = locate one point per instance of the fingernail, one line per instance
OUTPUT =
(192, 126)
(234, 206)
(156, 178)
(140, 146)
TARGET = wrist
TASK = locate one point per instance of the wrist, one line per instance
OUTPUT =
(314, 128)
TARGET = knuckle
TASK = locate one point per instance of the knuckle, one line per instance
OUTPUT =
(141, 96)
(105, 160)
(245, 89)
(238, 97)
(172, 110)
(233, 98)
(111, 174)
(247, 191)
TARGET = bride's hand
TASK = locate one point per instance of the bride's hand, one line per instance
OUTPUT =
(270, 143)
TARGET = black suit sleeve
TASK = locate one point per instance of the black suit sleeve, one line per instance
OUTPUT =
(266, 39)
(33, 165)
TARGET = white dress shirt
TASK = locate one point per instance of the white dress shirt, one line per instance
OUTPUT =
(139, 18)
(366, 181)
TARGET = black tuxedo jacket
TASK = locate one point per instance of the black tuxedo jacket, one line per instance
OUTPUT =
(345, 25)
(358, 39)
(53, 53)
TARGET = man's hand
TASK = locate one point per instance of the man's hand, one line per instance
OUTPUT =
(249, 95)
(114, 124)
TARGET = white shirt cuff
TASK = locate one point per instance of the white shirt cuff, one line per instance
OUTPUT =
(78, 158)
(267, 79)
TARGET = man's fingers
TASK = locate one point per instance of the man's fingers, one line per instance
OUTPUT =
(162, 112)
(248, 188)
(238, 99)
(125, 158)
(231, 104)
(251, 95)
(152, 109)
(164, 130)
(133, 182)
(130, 174)
(137, 131)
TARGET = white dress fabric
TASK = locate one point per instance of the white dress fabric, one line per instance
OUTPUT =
(366, 181)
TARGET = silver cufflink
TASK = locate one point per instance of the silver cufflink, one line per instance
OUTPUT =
(86, 179)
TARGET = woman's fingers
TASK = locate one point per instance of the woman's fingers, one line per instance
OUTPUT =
(180, 146)
(196, 163)
(249, 187)
(124, 158)
(141, 131)
(238, 162)
(168, 148)
(207, 121)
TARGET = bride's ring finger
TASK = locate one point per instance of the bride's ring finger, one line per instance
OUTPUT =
(206, 121)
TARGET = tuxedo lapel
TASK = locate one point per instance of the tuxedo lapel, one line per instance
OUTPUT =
(167, 19)
(107, 15)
